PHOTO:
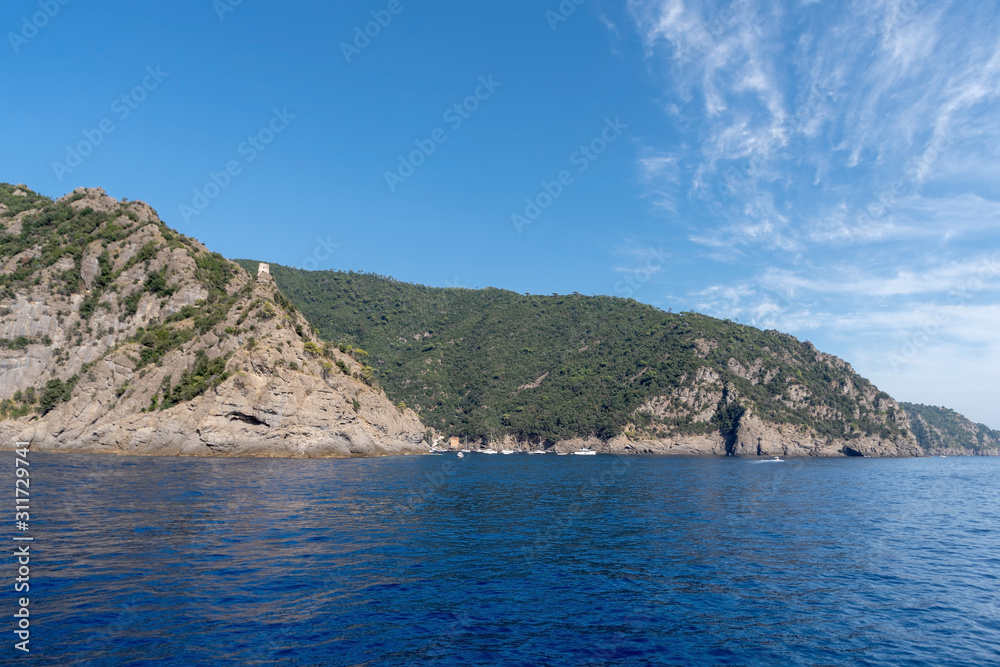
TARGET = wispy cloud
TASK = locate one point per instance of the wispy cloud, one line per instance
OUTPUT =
(796, 103)
(854, 281)
(838, 163)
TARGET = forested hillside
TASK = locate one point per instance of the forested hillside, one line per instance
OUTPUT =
(119, 334)
(482, 363)
(941, 430)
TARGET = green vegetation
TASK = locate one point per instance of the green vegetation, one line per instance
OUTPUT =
(19, 343)
(146, 253)
(158, 339)
(59, 231)
(942, 428)
(130, 305)
(20, 203)
(206, 374)
(156, 282)
(467, 360)
(80, 241)
(21, 404)
(63, 232)
(55, 392)
(214, 271)
(24, 403)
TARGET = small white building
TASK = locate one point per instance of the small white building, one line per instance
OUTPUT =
(263, 268)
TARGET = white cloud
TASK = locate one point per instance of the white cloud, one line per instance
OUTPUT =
(866, 87)
(839, 164)
(907, 281)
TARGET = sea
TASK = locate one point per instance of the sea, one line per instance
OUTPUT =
(507, 560)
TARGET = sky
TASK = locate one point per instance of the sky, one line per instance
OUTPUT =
(827, 169)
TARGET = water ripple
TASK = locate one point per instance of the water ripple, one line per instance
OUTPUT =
(514, 560)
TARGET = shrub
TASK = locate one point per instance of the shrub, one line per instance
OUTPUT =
(55, 392)
(130, 306)
(206, 374)
(156, 282)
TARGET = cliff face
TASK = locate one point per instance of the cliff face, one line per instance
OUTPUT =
(122, 336)
(706, 415)
(119, 335)
(941, 431)
(712, 413)
(614, 374)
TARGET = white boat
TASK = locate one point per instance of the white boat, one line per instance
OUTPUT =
(461, 455)
(488, 451)
(507, 451)
(562, 453)
(586, 452)
(466, 451)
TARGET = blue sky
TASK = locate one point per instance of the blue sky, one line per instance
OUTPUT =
(826, 169)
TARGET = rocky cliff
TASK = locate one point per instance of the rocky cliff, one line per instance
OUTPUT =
(565, 371)
(119, 335)
(866, 422)
(941, 431)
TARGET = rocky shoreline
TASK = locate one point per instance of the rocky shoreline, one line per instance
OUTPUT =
(122, 336)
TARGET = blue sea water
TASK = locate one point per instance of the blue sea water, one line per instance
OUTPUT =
(510, 560)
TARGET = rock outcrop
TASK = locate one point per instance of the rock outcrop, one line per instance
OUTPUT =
(944, 432)
(119, 335)
(125, 337)
(707, 414)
